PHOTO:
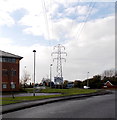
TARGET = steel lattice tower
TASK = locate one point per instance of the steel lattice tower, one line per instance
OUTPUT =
(59, 51)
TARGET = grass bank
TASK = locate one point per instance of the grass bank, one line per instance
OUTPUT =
(64, 92)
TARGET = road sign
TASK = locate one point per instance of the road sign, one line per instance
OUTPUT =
(58, 80)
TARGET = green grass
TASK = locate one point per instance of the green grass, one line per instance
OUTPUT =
(30, 90)
(9, 100)
(64, 92)
(71, 91)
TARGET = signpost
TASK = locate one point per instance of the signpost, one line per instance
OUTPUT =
(12, 87)
(58, 80)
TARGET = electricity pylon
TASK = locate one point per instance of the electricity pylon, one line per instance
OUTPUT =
(59, 51)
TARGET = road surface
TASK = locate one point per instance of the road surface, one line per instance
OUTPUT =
(102, 106)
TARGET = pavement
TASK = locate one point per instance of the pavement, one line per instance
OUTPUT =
(28, 104)
(29, 94)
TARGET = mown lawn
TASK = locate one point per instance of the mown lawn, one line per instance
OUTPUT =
(9, 100)
(64, 92)
(71, 91)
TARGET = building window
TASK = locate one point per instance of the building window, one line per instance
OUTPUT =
(4, 72)
(4, 85)
(10, 60)
(13, 85)
(13, 72)
(4, 59)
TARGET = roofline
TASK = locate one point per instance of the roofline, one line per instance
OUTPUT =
(109, 82)
(12, 55)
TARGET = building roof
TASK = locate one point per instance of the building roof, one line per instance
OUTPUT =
(109, 83)
(6, 54)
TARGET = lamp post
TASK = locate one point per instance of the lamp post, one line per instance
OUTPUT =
(50, 74)
(34, 74)
(12, 83)
(87, 79)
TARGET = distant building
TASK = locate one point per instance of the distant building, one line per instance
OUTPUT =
(9, 70)
(108, 84)
(70, 85)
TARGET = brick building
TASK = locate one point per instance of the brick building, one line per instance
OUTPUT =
(108, 84)
(9, 71)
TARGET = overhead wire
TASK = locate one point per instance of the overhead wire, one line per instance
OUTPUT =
(47, 24)
(82, 26)
(51, 29)
(76, 10)
(46, 18)
(84, 20)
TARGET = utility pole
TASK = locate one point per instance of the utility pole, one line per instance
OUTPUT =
(59, 51)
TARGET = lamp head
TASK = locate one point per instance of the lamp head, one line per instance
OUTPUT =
(34, 50)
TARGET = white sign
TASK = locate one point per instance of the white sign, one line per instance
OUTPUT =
(58, 79)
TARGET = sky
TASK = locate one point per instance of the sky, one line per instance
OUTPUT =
(85, 27)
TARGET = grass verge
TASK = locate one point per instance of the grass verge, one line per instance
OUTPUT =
(64, 92)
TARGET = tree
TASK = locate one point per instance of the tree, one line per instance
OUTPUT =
(65, 83)
(78, 83)
(45, 81)
(113, 80)
(109, 73)
(115, 72)
(94, 82)
(25, 78)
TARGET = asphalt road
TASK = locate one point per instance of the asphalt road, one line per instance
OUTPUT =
(92, 107)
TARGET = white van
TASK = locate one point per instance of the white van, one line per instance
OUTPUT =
(86, 87)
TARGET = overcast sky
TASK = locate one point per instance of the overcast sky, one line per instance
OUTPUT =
(86, 28)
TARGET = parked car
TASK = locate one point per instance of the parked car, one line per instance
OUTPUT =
(86, 87)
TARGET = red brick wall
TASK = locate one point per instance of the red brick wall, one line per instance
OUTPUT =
(11, 78)
(108, 84)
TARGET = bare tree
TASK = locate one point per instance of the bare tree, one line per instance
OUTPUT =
(25, 78)
(115, 72)
(109, 73)
(45, 81)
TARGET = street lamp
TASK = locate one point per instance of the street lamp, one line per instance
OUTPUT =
(12, 83)
(87, 79)
(50, 74)
(34, 74)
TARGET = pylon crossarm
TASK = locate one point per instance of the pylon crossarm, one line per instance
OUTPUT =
(64, 53)
(54, 59)
(54, 53)
(63, 59)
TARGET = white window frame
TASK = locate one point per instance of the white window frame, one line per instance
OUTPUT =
(4, 85)
(13, 85)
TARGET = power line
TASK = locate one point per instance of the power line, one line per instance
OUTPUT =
(86, 18)
(46, 18)
(76, 9)
(51, 22)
